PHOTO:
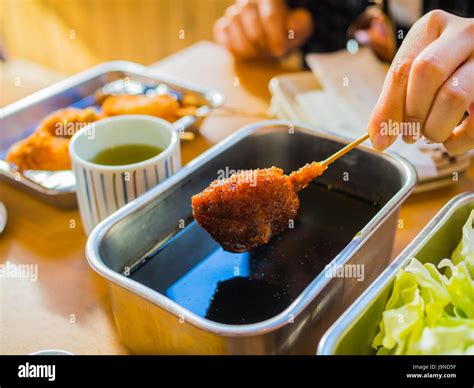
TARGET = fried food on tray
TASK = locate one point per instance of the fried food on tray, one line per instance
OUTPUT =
(40, 151)
(249, 208)
(186, 110)
(48, 147)
(162, 105)
(66, 122)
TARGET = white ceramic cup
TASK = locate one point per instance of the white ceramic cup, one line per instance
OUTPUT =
(102, 189)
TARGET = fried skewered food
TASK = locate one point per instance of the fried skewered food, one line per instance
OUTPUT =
(250, 207)
(66, 122)
(40, 151)
(247, 209)
(161, 105)
(48, 147)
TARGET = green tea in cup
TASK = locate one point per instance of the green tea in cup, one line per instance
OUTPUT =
(124, 154)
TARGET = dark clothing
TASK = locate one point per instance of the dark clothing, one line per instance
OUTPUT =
(333, 17)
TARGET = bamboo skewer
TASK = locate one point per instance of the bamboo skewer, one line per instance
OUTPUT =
(345, 150)
(302, 177)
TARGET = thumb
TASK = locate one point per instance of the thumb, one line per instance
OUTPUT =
(300, 27)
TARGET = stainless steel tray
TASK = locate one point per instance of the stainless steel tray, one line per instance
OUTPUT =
(20, 118)
(138, 234)
(354, 331)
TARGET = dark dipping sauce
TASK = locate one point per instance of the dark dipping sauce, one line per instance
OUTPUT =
(250, 287)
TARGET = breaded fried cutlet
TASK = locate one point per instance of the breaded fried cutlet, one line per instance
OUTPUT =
(250, 207)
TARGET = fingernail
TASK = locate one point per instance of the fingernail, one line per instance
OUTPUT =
(362, 37)
(381, 142)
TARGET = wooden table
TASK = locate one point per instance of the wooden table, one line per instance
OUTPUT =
(68, 307)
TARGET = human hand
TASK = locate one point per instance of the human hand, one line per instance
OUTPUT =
(430, 86)
(261, 28)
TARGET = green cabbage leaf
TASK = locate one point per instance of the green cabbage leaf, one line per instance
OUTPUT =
(431, 308)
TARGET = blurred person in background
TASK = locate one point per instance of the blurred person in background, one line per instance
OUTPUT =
(431, 78)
